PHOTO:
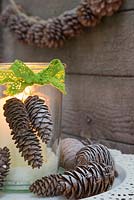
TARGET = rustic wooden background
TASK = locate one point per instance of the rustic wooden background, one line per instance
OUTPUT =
(100, 73)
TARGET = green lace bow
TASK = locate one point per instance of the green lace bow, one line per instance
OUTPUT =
(19, 76)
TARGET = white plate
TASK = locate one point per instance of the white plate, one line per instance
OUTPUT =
(123, 187)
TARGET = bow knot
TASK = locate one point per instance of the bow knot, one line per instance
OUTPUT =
(19, 76)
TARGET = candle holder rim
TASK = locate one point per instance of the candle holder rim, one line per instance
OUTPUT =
(35, 65)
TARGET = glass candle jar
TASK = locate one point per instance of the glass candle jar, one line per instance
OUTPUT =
(21, 175)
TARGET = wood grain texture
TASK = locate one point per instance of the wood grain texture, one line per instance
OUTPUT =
(127, 4)
(123, 147)
(45, 8)
(52, 8)
(105, 50)
(100, 107)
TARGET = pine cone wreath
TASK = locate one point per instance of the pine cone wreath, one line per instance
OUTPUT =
(95, 153)
(102, 8)
(4, 164)
(25, 138)
(53, 32)
(83, 181)
(85, 15)
(47, 186)
(40, 117)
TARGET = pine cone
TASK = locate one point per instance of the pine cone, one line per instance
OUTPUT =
(95, 153)
(17, 23)
(47, 186)
(102, 8)
(4, 164)
(35, 34)
(24, 136)
(69, 148)
(70, 24)
(16, 115)
(85, 15)
(86, 181)
(40, 117)
(28, 144)
(20, 25)
(85, 141)
(82, 182)
(53, 34)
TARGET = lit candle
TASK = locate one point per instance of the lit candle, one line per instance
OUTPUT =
(20, 173)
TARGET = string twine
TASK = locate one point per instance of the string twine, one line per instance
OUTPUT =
(19, 12)
(12, 2)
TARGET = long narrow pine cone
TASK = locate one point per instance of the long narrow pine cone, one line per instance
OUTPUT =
(83, 181)
(47, 186)
(40, 117)
(102, 8)
(4, 164)
(16, 115)
(25, 138)
(95, 153)
(86, 181)
(29, 147)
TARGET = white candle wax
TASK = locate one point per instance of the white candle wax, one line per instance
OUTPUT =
(5, 136)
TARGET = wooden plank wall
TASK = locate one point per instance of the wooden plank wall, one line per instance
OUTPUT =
(1, 39)
(100, 73)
